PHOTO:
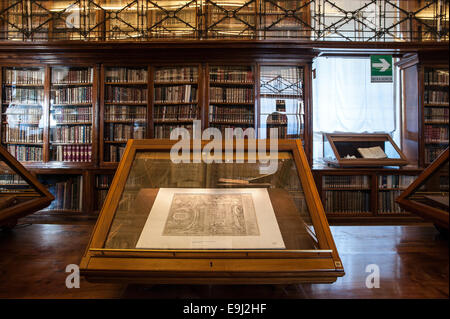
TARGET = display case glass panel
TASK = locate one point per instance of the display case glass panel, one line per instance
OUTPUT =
(428, 194)
(230, 206)
(20, 192)
(348, 149)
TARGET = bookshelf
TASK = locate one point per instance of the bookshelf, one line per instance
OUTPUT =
(176, 98)
(124, 109)
(72, 131)
(231, 97)
(282, 105)
(435, 112)
(83, 114)
(67, 190)
(102, 184)
(364, 194)
(23, 112)
(425, 107)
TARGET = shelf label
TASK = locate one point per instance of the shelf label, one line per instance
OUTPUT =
(380, 68)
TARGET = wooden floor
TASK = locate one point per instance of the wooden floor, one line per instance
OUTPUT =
(413, 262)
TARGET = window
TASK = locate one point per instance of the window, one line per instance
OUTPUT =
(344, 100)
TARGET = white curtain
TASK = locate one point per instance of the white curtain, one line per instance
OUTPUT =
(344, 100)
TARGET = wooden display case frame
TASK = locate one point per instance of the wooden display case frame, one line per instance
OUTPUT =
(101, 264)
(438, 215)
(362, 162)
(12, 213)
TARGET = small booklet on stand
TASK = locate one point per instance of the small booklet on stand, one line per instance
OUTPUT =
(372, 152)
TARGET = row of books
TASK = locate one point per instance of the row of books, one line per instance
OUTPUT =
(437, 114)
(230, 74)
(231, 114)
(277, 119)
(354, 181)
(122, 113)
(23, 134)
(395, 181)
(26, 153)
(123, 132)
(347, 201)
(23, 95)
(72, 76)
(189, 73)
(433, 77)
(15, 76)
(126, 94)
(436, 97)
(163, 131)
(114, 153)
(228, 130)
(71, 115)
(432, 152)
(15, 109)
(387, 204)
(23, 119)
(72, 134)
(11, 179)
(72, 95)
(179, 93)
(280, 130)
(101, 196)
(436, 134)
(175, 112)
(72, 153)
(230, 95)
(68, 193)
(103, 181)
(126, 75)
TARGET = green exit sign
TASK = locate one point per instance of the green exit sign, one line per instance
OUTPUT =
(380, 68)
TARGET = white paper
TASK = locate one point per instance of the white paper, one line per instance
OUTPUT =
(210, 218)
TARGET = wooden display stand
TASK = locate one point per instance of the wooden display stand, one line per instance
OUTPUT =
(343, 144)
(20, 202)
(427, 197)
(112, 255)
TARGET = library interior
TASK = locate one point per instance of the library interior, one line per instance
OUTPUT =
(337, 113)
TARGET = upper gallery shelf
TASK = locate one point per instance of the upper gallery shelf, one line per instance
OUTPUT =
(143, 20)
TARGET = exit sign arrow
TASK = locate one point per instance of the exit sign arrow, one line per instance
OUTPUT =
(380, 68)
(384, 65)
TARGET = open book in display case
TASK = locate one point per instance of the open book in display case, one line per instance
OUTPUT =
(229, 221)
(361, 150)
(21, 193)
(427, 196)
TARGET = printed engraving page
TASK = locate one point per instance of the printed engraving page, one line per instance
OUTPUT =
(189, 218)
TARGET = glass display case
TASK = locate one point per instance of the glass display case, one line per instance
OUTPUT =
(427, 196)
(359, 150)
(246, 216)
(20, 192)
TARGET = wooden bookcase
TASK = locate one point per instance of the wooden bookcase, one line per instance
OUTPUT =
(124, 101)
(425, 108)
(177, 97)
(364, 194)
(231, 96)
(84, 109)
